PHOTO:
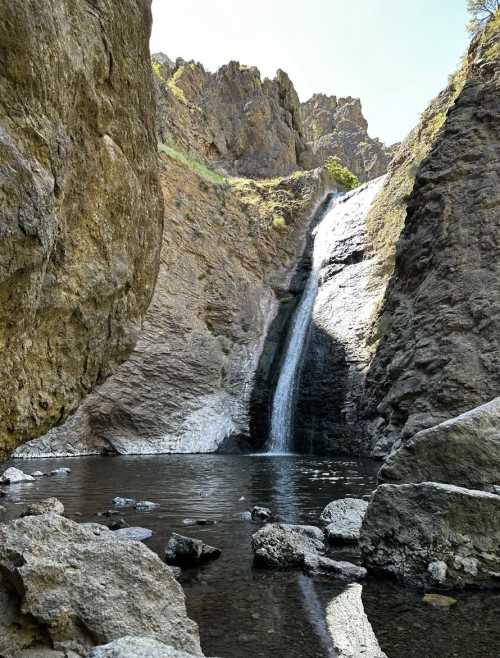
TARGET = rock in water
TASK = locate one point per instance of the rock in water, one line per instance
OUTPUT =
(44, 507)
(261, 513)
(319, 565)
(73, 583)
(132, 534)
(81, 205)
(124, 502)
(438, 600)
(137, 647)
(61, 471)
(464, 451)
(350, 630)
(14, 475)
(433, 534)
(146, 506)
(187, 551)
(281, 545)
(344, 518)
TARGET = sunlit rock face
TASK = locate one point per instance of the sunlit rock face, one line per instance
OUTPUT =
(81, 215)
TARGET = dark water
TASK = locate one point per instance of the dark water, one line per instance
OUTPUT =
(244, 612)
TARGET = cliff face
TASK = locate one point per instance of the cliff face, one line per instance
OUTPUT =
(232, 119)
(81, 204)
(439, 355)
(336, 126)
(228, 253)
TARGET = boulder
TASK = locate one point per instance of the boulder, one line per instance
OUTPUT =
(351, 632)
(319, 565)
(187, 551)
(14, 475)
(433, 534)
(344, 518)
(464, 450)
(70, 585)
(44, 507)
(261, 513)
(281, 545)
(137, 647)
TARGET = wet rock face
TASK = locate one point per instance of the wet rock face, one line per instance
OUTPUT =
(282, 545)
(63, 587)
(433, 534)
(336, 126)
(81, 206)
(232, 118)
(438, 356)
(464, 451)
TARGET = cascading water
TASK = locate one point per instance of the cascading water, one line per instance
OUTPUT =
(341, 210)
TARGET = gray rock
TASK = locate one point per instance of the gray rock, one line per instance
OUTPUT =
(281, 545)
(124, 502)
(261, 513)
(14, 475)
(137, 647)
(433, 534)
(72, 585)
(44, 507)
(97, 529)
(61, 471)
(132, 534)
(187, 551)
(117, 524)
(146, 506)
(38, 474)
(351, 632)
(320, 565)
(464, 451)
(344, 518)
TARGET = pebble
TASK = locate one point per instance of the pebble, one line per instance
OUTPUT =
(439, 600)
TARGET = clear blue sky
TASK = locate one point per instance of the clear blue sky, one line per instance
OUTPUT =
(393, 54)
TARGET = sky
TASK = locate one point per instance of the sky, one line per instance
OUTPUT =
(395, 55)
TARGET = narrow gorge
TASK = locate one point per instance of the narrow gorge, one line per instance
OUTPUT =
(249, 352)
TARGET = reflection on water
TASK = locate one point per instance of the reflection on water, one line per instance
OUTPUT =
(245, 612)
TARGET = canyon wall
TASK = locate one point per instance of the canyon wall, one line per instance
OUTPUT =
(81, 211)
(229, 252)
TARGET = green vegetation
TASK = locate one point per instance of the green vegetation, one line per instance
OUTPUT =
(340, 173)
(481, 12)
(157, 70)
(174, 88)
(195, 165)
(279, 222)
(492, 32)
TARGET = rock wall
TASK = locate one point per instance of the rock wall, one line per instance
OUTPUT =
(225, 265)
(81, 205)
(439, 352)
(234, 120)
(336, 126)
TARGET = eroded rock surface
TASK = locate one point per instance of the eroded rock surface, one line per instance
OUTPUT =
(81, 204)
(343, 519)
(62, 584)
(464, 451)
(137, 647)
(432, 534)
(282, 545)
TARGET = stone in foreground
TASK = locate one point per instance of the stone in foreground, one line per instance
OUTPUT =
(432, 534)
(137, 647)
(344, 518)
(464, 450)
(281, 545)
(351, 632)
(44, 507)
(187, 551)
(77, 590)
(14, 475)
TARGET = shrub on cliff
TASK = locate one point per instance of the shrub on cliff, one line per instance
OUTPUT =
(341, 174)
(481, 12)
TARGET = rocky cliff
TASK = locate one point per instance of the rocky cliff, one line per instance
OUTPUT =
(232, 119)
(81, 206)
(438, 355)
(230, 248)
(336, 126)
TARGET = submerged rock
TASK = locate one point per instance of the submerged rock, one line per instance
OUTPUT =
(319, 565)
(351, 632)
(72, 586)
(61, 471)
(138, 647)
(281, 545)
(14, 475)
(344, 518)
(146, 506)
(123, 502)
(44, 507)
(438, 600)
(464, 451)
(433, 534)
(132, 534)
(187, 551)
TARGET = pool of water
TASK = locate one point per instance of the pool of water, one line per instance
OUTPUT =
(244, 612)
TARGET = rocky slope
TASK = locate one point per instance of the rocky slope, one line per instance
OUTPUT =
(438, 355)
(81, 205)
(336, 126)
(228, 255)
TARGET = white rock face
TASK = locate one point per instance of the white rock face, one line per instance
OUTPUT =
(350, 630)
(14, 475)
(137, 647)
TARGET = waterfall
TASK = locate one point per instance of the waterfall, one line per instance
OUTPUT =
(341, 209)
